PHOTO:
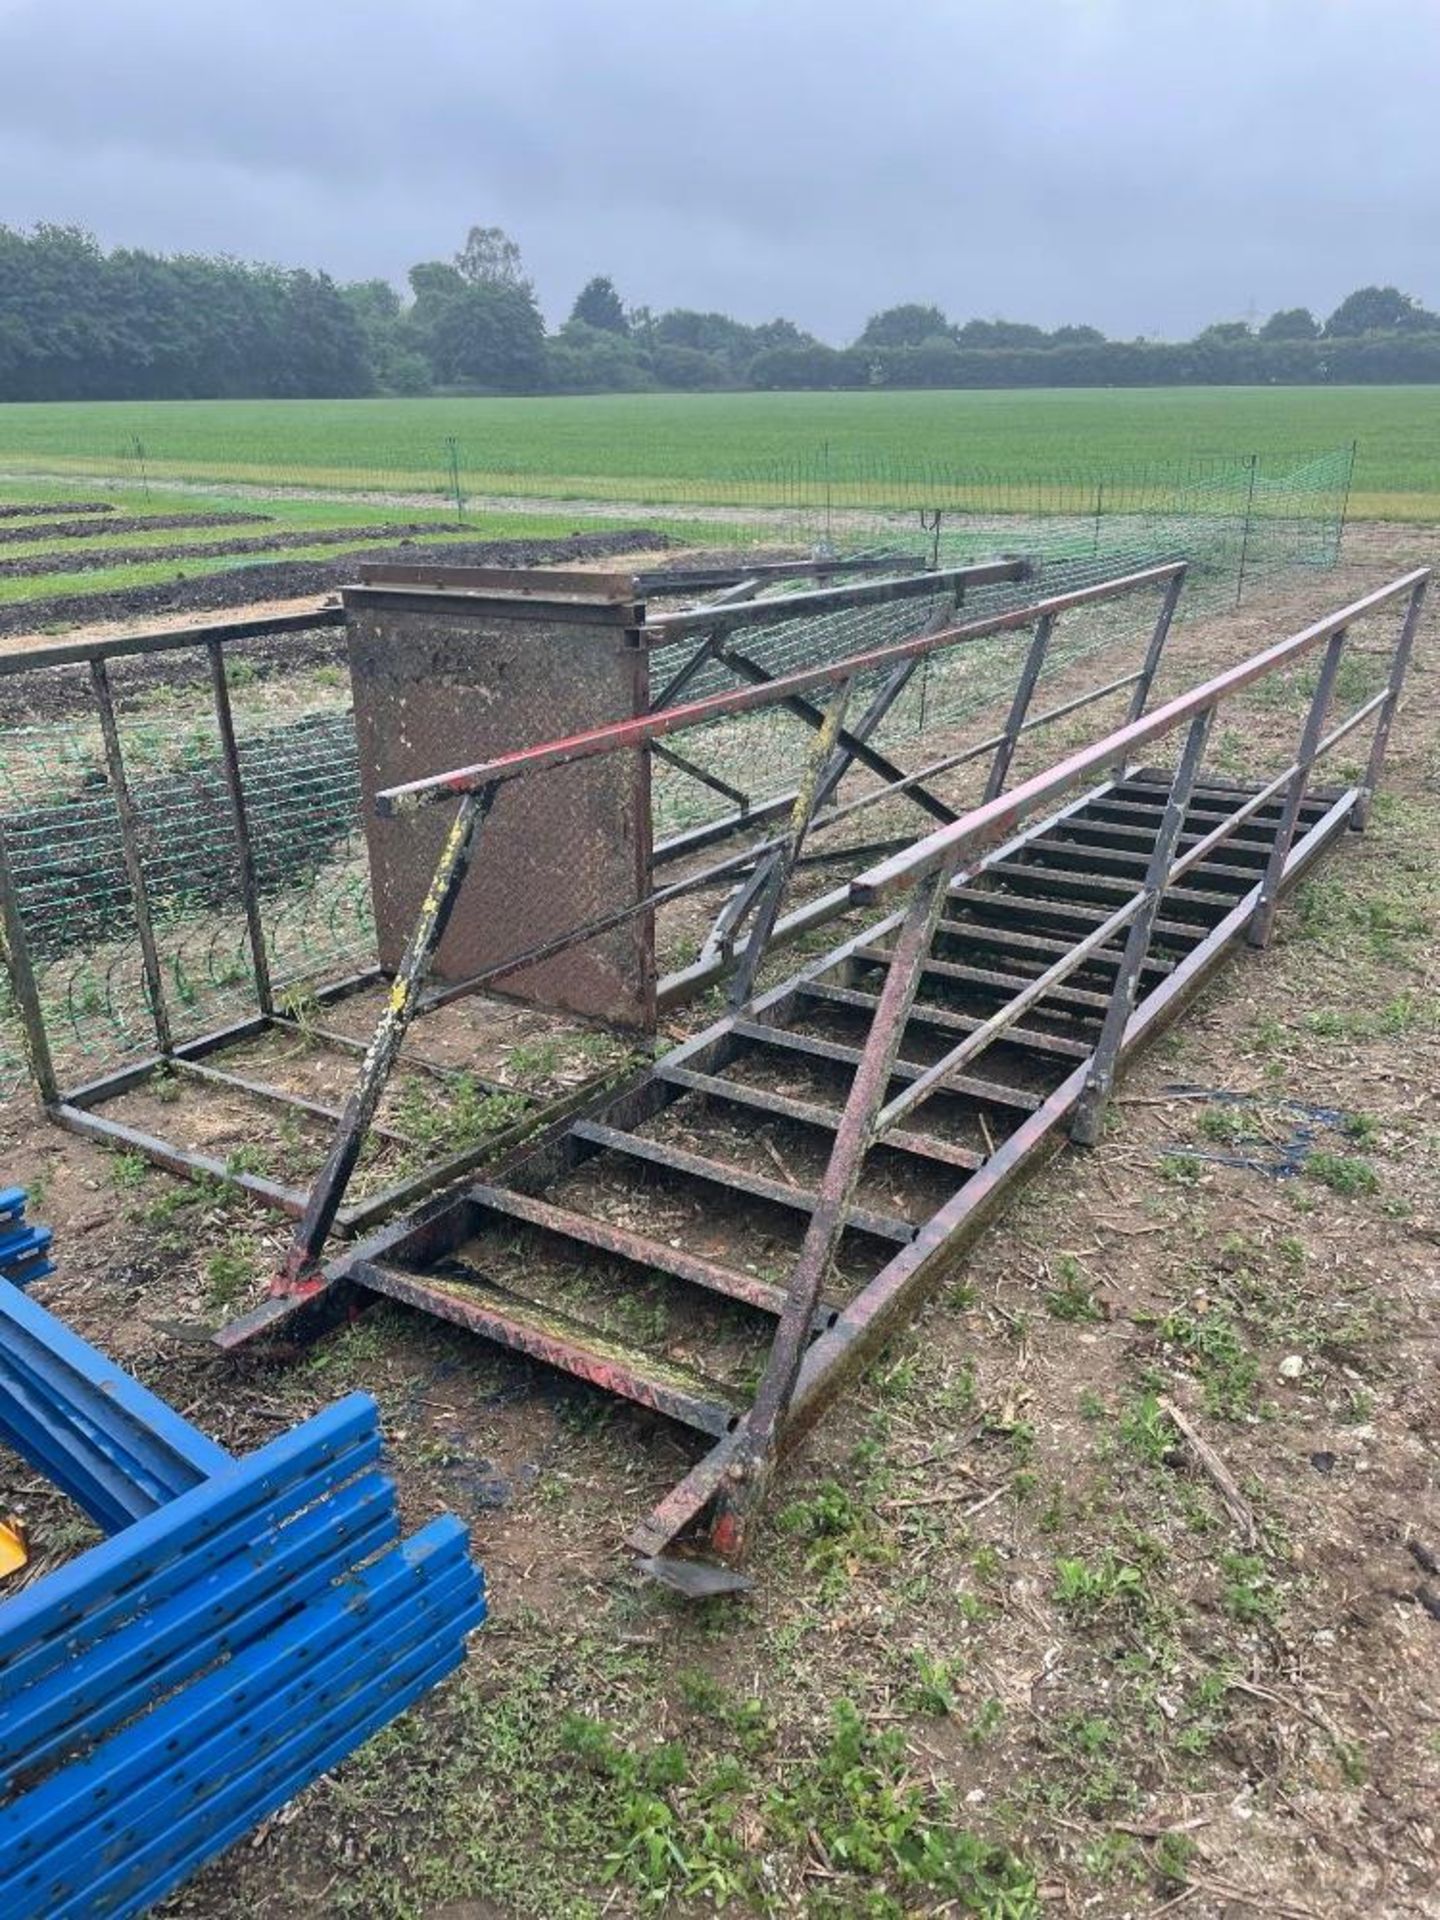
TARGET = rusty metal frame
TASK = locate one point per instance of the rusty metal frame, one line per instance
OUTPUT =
(301, 1273)
(816, 1349)
(929, 869)
(79, 1109)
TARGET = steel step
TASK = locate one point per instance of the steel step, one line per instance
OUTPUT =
(1038, 946)
(1029, 907)
(1092, 859)
(990, 1092)
(1199, 814)
(721, 1173)
(1067, 886)
(470, 1300)
(924, 1014)
(1113, 836)
(996, 980)
(639, 1249)
(805, 1113)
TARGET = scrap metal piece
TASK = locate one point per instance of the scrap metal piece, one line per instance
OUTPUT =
(695, 1579)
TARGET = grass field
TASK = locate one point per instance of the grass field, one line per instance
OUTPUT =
(612, 445)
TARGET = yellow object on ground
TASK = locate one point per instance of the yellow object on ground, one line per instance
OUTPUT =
(13, 1549)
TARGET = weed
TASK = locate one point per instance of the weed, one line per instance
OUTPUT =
(986, 1722)
(1145, 1430)
(1227, 1369)
(1343, 1173)
(229, 1272)
(877, 1826)
(533, 1059)
(1074, 1297)
(933, 1690)
(128, 1171)
(1250, 1594)
(1183, 1169)
(837, 1532)
(1172, 1858)
(1085, 1591)
(165, 1084)
(1230, 1125)
(462, 1116)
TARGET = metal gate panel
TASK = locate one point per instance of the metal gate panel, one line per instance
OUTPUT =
(446, 678)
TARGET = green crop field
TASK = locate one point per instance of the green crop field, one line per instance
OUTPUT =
(614, 446)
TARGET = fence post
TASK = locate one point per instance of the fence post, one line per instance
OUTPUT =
(1245, 536)
(1345, 501)
(130, 849)
(1099, 509)
(240, 819)
(15, 956)
(452, 449)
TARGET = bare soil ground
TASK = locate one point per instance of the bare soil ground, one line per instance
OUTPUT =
(1011, 1650)
(288, 579)
(33, 566)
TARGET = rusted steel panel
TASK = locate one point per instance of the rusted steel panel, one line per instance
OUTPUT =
(442, 678)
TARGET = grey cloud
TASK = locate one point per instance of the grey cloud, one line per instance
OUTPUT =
(1148, 165)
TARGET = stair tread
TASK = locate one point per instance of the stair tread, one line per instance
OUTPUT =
(928, 1015)
(991, 1091)
(659, 1153)
(1029, 903)
(1111, 883)
(809, 1113)
(1137, 859)
(993, 977)
(625, 1244)
(470, 1299)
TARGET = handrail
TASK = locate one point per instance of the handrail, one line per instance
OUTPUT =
(662, 628)
(623, 735)
(985, 824)
(931, 869)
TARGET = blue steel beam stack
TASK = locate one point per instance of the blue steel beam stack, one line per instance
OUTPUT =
(245, 1626)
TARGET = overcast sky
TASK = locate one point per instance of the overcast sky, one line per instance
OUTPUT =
(1144, 165)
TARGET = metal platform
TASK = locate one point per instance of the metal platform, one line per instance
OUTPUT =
(725, 1240)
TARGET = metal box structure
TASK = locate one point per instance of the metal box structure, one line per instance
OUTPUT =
(456, 665)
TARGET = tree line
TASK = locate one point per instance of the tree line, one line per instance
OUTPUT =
(78, 323)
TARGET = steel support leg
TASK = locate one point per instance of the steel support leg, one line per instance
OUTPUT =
(1399, 663)
(1262, 921)
(1089, 1115)
(298, 1275)
(776, 874)
(1150, 666)
(130, 849)
(721, 937)
(1020, 705)
(754, 1464)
